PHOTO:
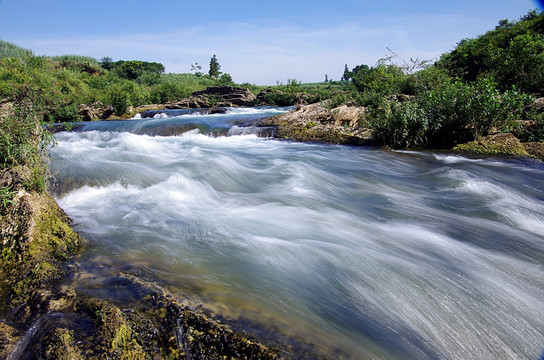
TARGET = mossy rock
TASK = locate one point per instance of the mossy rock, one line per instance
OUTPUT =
(36, 239)
(62, 345)
(535, 149)
(8, 338)
(496, 144)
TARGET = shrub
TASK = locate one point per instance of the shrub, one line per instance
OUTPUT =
(462, 112)
(383, 79)
(226, 79)
(67, 113)
(168, 91)
(23, 140)
(119, 99)
(400, 125)
(512, 53)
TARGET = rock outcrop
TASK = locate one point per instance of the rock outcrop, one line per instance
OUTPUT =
(95, 111)
(535, 149)
(499, 144)
(36, 239)
(317, 122)
(215, 96)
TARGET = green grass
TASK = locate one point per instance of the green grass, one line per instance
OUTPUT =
(11, 50)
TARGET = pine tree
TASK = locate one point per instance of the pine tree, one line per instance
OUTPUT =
(347, 74)
(214, 67)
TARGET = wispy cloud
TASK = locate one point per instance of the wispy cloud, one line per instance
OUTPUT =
(266, 53)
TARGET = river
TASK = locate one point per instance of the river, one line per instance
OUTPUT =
(363, 252)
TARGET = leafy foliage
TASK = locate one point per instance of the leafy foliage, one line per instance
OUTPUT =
(23, 140)
(512, 54)
(400, 125)
(456, 113)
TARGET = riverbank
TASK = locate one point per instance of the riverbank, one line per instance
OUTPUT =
(349, 125)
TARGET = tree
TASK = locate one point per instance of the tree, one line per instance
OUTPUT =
(196, 69)
(214, 67)
(226, 79)
(106, 62)
(347, 74)
(512, 54)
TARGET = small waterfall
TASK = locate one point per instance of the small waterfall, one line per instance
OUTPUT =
(264, 132)
(28, 346)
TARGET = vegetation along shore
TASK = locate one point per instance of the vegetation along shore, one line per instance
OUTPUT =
(486, 96)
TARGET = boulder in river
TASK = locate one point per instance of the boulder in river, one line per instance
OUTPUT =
(318, 122)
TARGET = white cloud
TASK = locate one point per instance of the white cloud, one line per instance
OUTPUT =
(266, 53)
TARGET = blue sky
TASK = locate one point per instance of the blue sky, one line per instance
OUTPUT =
(260, 42)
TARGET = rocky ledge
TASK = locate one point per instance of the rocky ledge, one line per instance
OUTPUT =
(503, 144)
(215, 96)
(321, 123)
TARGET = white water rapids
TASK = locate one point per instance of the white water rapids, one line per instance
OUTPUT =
(363, 252)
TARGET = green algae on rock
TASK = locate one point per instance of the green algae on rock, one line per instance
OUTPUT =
(36, 239)
(154, 325)
(496, 144)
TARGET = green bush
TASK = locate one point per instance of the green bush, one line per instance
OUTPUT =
(400, 125)
(382, 79)
(23, 140)
(69, 113)
(512, 53)
(454, 114)
(281, 98)
(462, 112)
(119, 99)
(169, 91)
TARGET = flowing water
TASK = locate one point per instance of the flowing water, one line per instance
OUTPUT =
(365, 253)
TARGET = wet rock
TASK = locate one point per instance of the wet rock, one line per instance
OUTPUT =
(152, 326)
(150, 113)
(8, 339)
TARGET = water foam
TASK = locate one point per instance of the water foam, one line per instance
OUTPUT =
(404, 255)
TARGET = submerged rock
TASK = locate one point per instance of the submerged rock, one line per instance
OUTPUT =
(154, 325)
(317, 122)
